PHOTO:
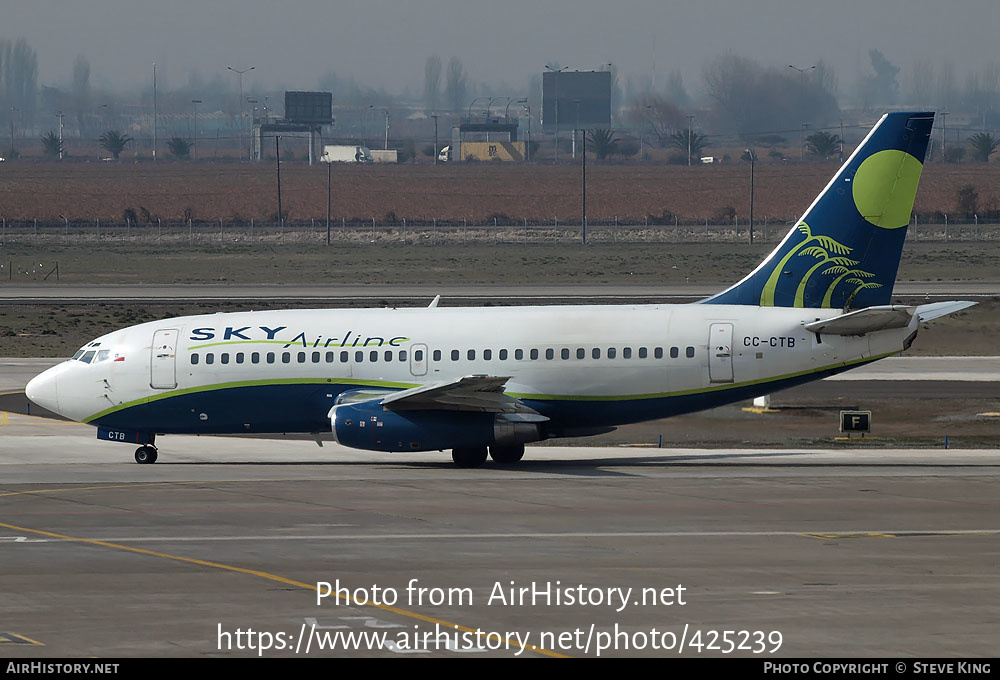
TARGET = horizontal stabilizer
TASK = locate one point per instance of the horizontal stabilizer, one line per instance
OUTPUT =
(868, 320)
(883, 317)
(936, 309)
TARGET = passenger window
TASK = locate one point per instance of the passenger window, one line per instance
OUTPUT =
(88, 357)
(224, 358)
(626, 352)
(487, 354)
(302, 357)
(345, 357)
(642, 352)
(270, 357)
(316, 357)
(194, 358)
(454, 355)
(437, 355)
(418, 355)
(503, 355)
(402, 355)
(534, 354)
(239, 357)
(673, 353)
(612, 352)
(359, 357)
(690, 352)
(658, 353)
(471, 354)
(286, 357)
(373, 356)
(209, 358)
(255, 358)
(331, 357)
(596, 353)
(519, 354)
(581, 353)
(550, 354)
(388, 355)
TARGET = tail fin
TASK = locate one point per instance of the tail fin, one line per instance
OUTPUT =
(845, 250)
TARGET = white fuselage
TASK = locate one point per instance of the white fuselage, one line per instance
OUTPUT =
(280, 371)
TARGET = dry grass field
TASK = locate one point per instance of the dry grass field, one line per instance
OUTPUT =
(232, 191)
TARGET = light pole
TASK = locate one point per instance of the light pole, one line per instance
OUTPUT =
(154, 112)
(527, 109)
(240, 74)
(60, 114)
(802, 147)
(196, 102)
(435, 154)
(473, 104)
(944, 136)
(584, 186)
(386, 112)
(557, 71)
(690, 120)
(802, 73)
(753, 158)
(576, 126)
(329, 165)
(12, 110)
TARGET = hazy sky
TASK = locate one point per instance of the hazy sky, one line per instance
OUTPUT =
(385, 42)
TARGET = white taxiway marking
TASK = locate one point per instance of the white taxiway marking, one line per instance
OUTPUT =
(825, 533)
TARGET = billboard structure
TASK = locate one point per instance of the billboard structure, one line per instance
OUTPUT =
(576, 99)
(309, 108)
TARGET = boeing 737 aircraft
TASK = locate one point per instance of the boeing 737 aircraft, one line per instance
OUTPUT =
(492, 379)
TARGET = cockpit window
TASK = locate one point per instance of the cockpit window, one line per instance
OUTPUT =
(88, 357)
(103, 355)
(78, 354)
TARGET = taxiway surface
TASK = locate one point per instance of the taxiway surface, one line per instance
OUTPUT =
(843, 553)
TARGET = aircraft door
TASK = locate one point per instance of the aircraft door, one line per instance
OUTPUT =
(418, 359)
(163, 359)
(720, 353)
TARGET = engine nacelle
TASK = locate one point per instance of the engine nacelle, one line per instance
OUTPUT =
(368, 425)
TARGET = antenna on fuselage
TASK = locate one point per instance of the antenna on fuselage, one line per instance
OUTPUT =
(434, 302)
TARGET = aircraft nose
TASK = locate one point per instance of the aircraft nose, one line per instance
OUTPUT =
(42, 390)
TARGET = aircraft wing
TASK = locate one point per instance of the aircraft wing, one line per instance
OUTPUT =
(472, 393)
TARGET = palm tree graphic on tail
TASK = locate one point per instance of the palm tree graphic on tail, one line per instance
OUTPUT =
(826, 245)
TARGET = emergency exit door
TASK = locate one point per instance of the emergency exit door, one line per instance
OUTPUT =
(720, 353)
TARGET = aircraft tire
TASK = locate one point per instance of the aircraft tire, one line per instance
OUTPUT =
(470, 457)
(507, 455)
(145, 455)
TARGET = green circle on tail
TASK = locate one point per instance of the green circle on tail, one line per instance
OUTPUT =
(884, 188)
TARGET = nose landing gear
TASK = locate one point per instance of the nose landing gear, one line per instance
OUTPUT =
(145, 454)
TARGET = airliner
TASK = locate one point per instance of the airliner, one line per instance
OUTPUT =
(486, 381)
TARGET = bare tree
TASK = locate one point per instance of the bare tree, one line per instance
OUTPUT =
(19, 78)
(651, 113)
(81, 91)
(456, 85)
(432, 82)
(922, 83)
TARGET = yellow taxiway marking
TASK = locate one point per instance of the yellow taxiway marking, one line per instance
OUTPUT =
(32, 492)
(860, 534)
(18, 639)
(269, 577)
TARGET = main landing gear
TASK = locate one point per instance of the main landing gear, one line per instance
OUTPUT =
(472, 457)
(145, 454)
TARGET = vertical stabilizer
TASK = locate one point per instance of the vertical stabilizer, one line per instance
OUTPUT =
(845, 249)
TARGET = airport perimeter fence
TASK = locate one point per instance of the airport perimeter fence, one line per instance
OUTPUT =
(342, 232)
